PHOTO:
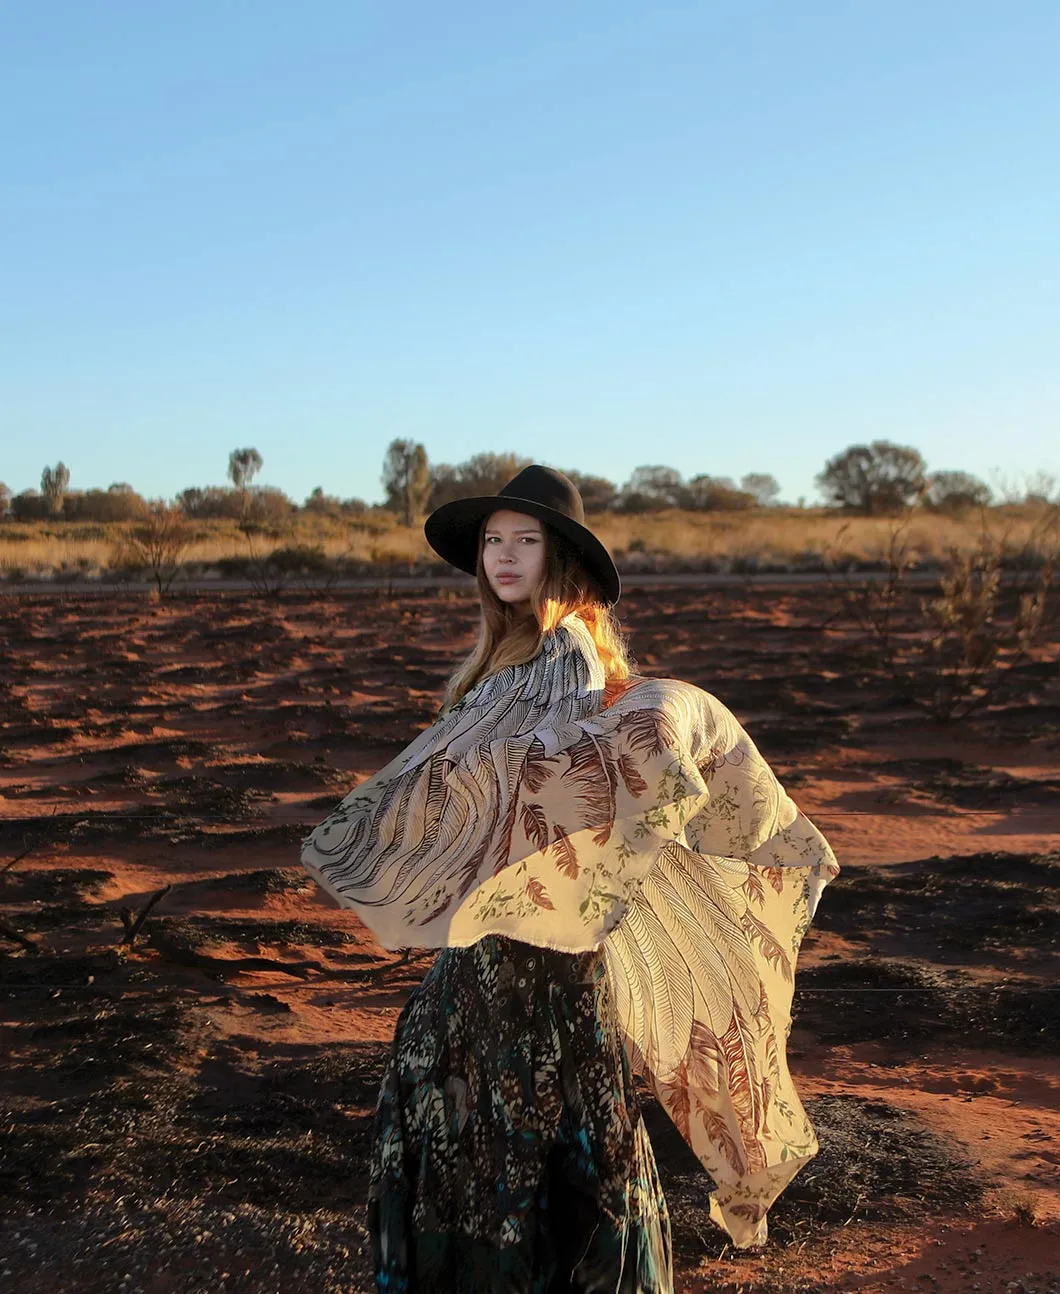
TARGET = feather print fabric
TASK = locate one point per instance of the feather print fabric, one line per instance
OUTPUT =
(640, 819)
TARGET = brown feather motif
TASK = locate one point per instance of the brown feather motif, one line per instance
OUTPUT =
(630, 774)
(753, 885)
(566, 854)
(767, 941)
(535, 824)
(539, 767)
(675, 1099)
(775, 876)
(591, 778)
(718, 1131)
(742, 1092)
(704, 1051)
(538, 894)
(645, 731)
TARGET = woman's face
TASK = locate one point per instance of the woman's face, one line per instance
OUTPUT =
(513, 555)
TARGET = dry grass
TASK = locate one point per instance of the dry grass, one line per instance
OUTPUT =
(763, 539)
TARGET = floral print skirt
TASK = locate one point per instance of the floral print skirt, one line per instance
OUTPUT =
(509, 1154)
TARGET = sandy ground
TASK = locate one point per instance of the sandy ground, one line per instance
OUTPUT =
(192, 1110)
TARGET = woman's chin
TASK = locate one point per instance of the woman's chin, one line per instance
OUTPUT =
(514, 598)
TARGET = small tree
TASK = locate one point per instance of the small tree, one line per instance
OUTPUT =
(598, 493)
(210, 502)
(481, 474)
(321, 504)
(650, 489)
(270, 506)
(716, 494)
(764, 487)
(104, 505)
(877, 479)
(160, 541)
(1042, 487)
(406, 479)
(53, 483)
(243, 466)
(28, 505)
(5, 501)
(955, 492)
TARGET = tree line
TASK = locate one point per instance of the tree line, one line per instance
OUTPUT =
(878, 479)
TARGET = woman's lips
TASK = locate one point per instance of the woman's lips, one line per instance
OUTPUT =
(507, 579)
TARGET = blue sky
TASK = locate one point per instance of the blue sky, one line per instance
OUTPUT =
(717, 236)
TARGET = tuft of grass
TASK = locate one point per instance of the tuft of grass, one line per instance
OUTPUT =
(1018, 1206)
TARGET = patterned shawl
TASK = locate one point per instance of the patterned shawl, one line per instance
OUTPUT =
(639, 817)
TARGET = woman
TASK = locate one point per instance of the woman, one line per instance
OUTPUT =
(617, 880)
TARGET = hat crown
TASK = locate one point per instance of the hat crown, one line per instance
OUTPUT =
(547, 487)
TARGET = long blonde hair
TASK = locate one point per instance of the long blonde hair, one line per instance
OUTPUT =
(508, 637)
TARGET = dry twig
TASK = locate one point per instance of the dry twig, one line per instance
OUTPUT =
(132, 927)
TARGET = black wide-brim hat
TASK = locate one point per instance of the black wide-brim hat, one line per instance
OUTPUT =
(453, 529)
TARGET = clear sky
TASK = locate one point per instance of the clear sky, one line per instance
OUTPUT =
(721, 236)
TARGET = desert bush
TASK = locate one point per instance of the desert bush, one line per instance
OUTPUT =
(270, 565)
(243, 466)
(264, 505)
(104, 505)
(210, 503)
(598, 493)
(308, 563)
(323, 505)
(29, 505)
(955, 492)
(480, 474)
(717, 494)
(651, 489)
(53, 483)
(406, 480)
(764, 487)
(158, 543)
(269, 506)
(981, 626)
(875, 480)
(951, 651)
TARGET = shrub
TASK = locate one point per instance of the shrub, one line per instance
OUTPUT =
(104, 505)
(717, 494)
(955, 492)
(952, 652)
(264, 505)
(876, 480)
(481, 474)
(764, 487)
(158, 543)
(406, 480)
(29, 505)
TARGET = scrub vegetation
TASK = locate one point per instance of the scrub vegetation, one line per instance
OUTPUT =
(657, 521)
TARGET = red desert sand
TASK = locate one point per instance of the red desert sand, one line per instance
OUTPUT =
(193, 1034)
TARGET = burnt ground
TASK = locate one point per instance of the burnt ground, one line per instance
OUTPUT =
(193, 1108)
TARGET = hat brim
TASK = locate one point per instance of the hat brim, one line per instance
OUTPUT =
(453, 532)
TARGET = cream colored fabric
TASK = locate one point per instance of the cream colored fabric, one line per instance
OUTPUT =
(650, 825)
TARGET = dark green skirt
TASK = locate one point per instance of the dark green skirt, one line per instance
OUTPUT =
(509, 1153)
